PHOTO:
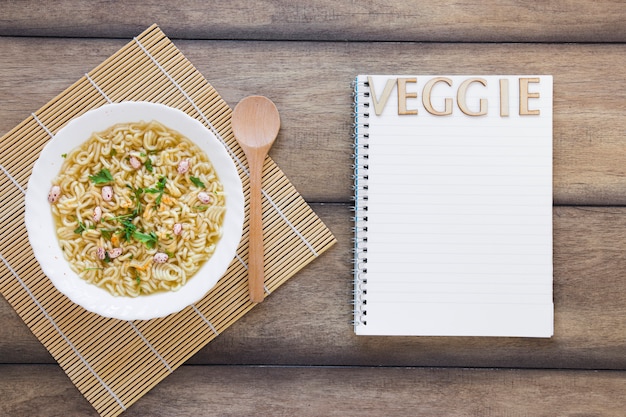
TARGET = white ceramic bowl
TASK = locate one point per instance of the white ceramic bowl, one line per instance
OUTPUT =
(42, 234)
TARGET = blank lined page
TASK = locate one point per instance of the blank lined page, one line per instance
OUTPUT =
(459, 207)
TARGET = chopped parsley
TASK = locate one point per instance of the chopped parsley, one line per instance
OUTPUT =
(197, 182)
(158, 189)
(136, 197)
(123, 225)
(102, 177)
(128, 229)
(149, 239)
(107, 233)
(94, 268)
(148, 165)
(81, 228)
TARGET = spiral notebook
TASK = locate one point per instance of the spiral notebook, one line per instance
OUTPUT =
(453, 205)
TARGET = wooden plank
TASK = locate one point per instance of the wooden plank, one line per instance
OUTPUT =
(243, 391)
(589, 295)
(314, 145)
(398, 20)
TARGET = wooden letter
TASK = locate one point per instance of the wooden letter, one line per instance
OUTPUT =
(524, 95)
(379, 105)
(427, 101)
(504, 97)
(462, 96)
(403, 95)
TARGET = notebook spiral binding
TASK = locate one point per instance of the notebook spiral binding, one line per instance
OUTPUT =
(360, 178)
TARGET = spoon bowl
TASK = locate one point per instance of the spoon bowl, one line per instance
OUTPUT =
(255, 123)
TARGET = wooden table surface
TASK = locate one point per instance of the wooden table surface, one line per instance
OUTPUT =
(296, 353)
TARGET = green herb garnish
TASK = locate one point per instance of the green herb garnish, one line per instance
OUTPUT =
(197, 182)
(107, 233)
(102, 177)
(63, 155)
(82, 227)
(159, 189)
(136, 197)
(148, 165)
(129, 231)
(122, 217)
(149, 239)
(128, 228)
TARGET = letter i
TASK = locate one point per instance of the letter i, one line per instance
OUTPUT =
(504, 97)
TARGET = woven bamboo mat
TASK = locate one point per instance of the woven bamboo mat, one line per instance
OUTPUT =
(112, 362)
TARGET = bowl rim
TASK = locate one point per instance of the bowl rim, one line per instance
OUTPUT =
(43, 238)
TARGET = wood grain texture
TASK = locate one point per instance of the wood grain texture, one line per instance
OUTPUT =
(314, 145)
(371, 20)
(284, 391)
(296, 354)
(288, 329)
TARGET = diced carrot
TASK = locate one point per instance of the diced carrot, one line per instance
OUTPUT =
(139, 265)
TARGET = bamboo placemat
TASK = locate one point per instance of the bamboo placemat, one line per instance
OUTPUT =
(113, 362)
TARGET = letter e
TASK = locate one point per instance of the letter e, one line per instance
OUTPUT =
(403, 95)
(524, 95)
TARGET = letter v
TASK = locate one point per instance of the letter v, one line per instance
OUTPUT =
(379, 105)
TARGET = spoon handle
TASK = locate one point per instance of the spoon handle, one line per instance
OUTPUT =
(256, 277)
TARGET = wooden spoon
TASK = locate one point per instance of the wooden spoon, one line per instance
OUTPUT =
(255, 123)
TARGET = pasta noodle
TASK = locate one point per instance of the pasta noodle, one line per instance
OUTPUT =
(138, 209)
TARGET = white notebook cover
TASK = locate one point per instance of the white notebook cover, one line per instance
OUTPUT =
(453, 202)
